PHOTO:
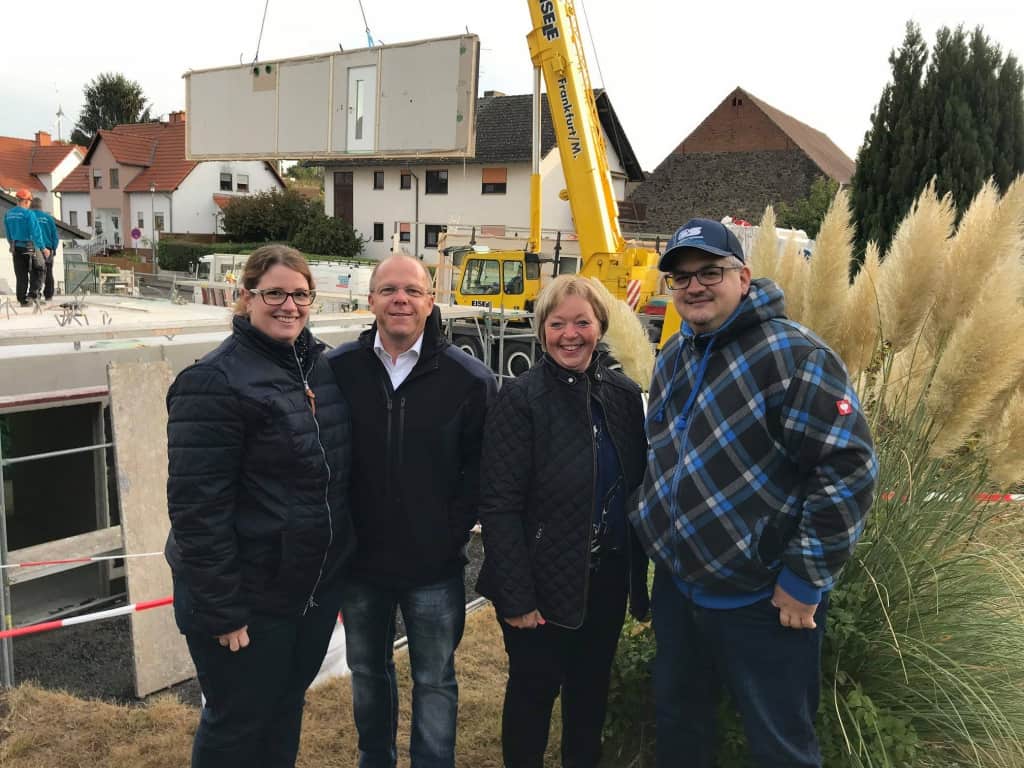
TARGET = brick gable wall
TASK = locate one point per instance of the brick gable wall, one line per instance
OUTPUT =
(736, 125)
(717, 184)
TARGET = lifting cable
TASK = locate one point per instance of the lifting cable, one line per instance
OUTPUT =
(259, 40)
(600, 76)
(369, 37)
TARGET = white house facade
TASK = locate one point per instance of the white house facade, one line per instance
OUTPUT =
(491, 191)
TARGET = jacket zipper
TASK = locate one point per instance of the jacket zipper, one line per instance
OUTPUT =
(311, 602)
(400, 457)
(593, 496)
(387, 446)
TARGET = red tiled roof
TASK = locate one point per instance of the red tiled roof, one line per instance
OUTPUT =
(169, 166)
(127, 148)
(819, 147)
(22, 159)
(76, 181)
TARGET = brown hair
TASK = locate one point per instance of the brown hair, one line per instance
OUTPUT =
(261, 260)
(568, 285)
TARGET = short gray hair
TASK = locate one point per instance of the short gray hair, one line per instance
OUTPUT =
(428, 281)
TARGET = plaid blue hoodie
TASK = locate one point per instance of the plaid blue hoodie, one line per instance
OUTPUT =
(761, 467)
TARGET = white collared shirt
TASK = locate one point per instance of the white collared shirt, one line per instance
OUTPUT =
(398, 369)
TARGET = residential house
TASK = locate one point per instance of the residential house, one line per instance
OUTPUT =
(38, 165)
(136, 177)
(65, 232)
(744, 156)
(419, 198)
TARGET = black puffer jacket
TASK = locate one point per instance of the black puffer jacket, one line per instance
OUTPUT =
(537, 489)
(257, 486)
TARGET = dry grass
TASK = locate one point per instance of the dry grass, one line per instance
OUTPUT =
(42, 729)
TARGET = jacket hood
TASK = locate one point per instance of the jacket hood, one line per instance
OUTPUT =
(433, 338)
(764, 301)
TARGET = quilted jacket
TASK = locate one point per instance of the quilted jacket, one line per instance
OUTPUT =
(257, 486)
(761, 467)
(537, 488)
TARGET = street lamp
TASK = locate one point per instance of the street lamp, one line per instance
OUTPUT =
(152, 219)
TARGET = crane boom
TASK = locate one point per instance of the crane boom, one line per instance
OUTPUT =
(557, 50)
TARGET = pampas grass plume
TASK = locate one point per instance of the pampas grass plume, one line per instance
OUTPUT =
(627, 338)
(1005, 443)
(763, 258)
(793, 269)
(984, 357)
(857, 333)
(829, 278)
(907, 278)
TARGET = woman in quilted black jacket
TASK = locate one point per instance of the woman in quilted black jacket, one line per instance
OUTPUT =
(565, 450)
(259, 446)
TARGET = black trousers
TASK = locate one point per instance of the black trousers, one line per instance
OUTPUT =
(576, 662)
(255, 696)
(27, 278)
(48, 279)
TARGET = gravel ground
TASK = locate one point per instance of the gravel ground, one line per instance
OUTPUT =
(92, 661)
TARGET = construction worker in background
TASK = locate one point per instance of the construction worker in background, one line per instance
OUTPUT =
(48, 229)
(760, 474)
(26, 240)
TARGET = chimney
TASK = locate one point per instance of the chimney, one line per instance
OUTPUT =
(43, 139)
(492, 94)
(176, 117)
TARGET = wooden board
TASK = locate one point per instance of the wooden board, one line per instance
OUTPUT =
(139, 423)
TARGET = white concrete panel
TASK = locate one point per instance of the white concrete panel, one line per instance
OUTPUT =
(304, 109)
(425, 101)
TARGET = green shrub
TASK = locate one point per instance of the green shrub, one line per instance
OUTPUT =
(183, 255)
(274, 216)
(328, 236)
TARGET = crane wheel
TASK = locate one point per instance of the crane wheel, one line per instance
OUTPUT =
(470, 345)
(517, 359)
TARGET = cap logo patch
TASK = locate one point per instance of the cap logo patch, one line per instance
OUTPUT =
(691, 232)
(845, 407)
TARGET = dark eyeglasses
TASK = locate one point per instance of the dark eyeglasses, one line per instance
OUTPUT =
(706, 276)
(275, 297)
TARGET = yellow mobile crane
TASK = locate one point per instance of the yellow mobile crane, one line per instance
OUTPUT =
(512, 279)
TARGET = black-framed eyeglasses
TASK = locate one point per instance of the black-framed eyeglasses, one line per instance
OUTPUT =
(412, 291)
(706, 276)
(275, 297)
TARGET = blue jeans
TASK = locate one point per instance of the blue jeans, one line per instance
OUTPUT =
(772, 674)
(434, 617)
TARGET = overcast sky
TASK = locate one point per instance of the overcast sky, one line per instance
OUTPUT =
(666, 63)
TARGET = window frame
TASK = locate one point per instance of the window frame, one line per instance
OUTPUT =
(115, 178)
(437, 182)
(230, 181)
(378, 179)
(432, 233)
(378, 231)
(97, 179)
(405, 180)
(241, 186)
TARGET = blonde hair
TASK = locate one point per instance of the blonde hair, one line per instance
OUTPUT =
(261, 260)
(568, 285)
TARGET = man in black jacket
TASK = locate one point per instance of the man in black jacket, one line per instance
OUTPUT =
(418, 407)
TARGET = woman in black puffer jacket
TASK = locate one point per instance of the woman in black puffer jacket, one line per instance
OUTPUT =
(565, 450)
(259, 450)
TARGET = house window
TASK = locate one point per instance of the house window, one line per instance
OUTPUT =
(430, 234)
(403, 232)
(115, 178)
(140, 221)
(116, 222)
(99, 226)
(378, 179)
(158, 222)
(73, 218)
(225, 182)
(437, 182)
(88, 218)
(243, 183)
(494, 181)
(97, 179)
(378, 231)
(405, 180)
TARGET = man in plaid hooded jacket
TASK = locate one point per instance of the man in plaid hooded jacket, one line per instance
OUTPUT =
(760, 473)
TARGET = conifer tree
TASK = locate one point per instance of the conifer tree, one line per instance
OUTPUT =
(956, 116)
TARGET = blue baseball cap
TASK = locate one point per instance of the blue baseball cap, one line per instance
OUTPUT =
(703, 235)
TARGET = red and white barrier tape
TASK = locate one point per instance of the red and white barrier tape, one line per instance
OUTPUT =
(98, 558)
(46, 626)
